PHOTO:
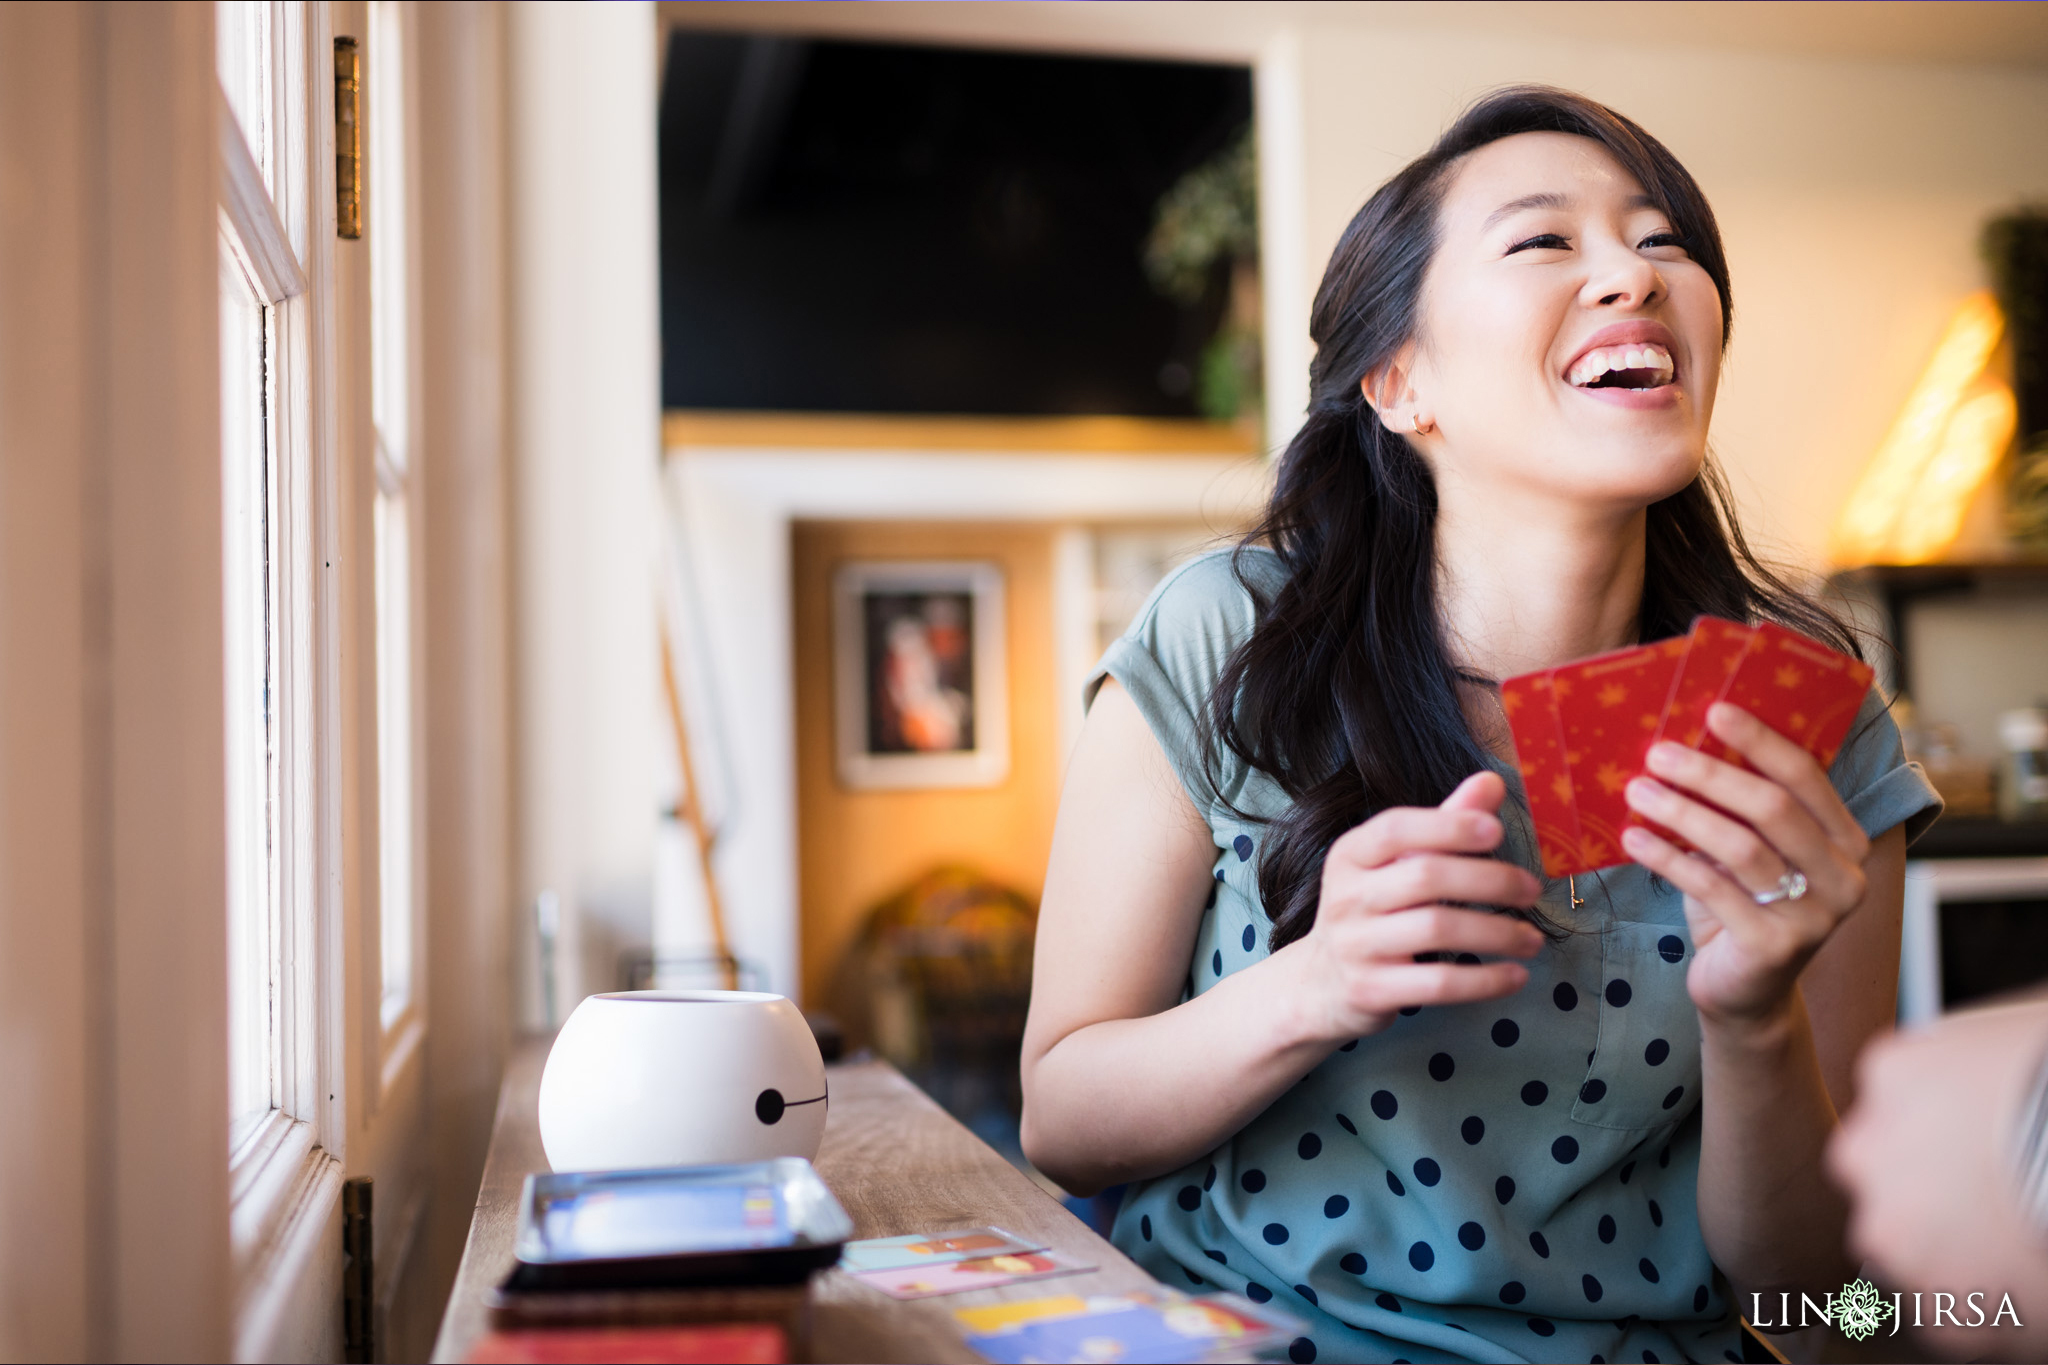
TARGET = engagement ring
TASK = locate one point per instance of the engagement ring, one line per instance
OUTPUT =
(1790, 887)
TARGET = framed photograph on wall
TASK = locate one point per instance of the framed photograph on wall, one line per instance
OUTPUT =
(920, 694)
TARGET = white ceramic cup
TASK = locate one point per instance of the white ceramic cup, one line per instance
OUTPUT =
(681, 1078)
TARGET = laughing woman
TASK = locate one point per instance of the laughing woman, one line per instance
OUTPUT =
(1594, 1126)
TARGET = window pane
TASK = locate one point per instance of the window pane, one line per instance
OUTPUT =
(241, 43)
(384, 91)
(246, 584)
(394, 752)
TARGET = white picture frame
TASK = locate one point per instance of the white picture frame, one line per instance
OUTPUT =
(920, 674)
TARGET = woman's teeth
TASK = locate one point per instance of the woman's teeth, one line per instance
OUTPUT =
(1623, 367)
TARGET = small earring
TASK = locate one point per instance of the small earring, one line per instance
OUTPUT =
(1415, 421)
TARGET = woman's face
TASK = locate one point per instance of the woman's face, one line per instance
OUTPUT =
(1567, 343)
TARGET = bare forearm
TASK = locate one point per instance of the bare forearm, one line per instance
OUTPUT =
(1126, 1099)
(1771, 1219)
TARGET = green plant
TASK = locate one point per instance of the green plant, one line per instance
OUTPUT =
(1208, 220)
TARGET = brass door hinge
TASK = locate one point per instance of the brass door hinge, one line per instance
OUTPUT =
(348, 139)
(358, 1273)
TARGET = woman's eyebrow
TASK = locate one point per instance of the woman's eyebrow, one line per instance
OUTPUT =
(1548, 199)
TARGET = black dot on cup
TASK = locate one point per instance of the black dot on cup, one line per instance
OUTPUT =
(1258, 1293)
(1305, 1292)
(1543, 1327)
(1394, 1183)
(1677, 1094)
(1347, 1125)
(1388, 1302)
(1514, 1291)
(1216, 962)
(1539, 1246)
(768, 1106)
(1593, 1091)
(1628, 1169)
(1214, 1255)
(1656, 1214)
(1592, 1288)
(1656, 1052)
(1145, 1226)
(1252, 1180)
(1422, 1256)
(1274, 1233)
(1471, 1236)
(1472, 1130)
(1384, 1105)
(1534, 1093)
(1441, 1067)
(1506, 1032)
(1428, 1172)
(1189, 1198)
(1352, 1263)
(1606, 1228)
(1565, 1150)
(1671, 947)
(1250, 938)
(1409, 1011)
(1648, 1268)
(1618, 993)
(1336, 1206)
(1301, 1350)
(1503, 1189)
(1309, 1148)
(1699, 1299)
(1242, 844)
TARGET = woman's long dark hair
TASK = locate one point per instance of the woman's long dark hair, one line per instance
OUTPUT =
(1346, 692)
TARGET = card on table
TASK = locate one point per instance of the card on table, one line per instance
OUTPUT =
(954, 1277)
(1140, 1327)
(713, 1344)
(923, 1249)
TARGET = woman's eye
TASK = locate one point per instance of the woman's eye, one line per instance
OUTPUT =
(1546, 241)
(1657, 239)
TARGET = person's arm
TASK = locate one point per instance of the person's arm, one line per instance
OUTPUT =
(1120, 1081)
(1771, 1222)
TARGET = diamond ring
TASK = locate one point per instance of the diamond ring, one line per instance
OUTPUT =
(1790, 887)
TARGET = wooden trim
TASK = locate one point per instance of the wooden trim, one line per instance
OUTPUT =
(891, 431)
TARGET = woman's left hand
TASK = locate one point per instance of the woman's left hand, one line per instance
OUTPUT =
(1747, 956)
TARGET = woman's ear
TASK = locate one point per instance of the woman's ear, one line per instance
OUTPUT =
(1392, 396)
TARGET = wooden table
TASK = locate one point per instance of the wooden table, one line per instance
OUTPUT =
(897, 1162)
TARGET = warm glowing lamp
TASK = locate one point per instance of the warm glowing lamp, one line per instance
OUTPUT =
(1909, 505)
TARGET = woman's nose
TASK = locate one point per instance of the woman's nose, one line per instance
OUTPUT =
(1623, 279)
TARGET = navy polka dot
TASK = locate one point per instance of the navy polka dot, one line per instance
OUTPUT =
(1565, 1150)
(1441, 1066)
(1606, 1227)
(1352, 1264)
(1539, 1246)
(1394, 1183)
(1422, 1256)
(1384, 1104)
(1671, 947)
(1656, 1052)
(1428, 1172)
(1677, 1094)
(1309, 1148)
(1471, 1236)
(1649, 1269)
(1249, 938)
(1301, 1350)
(1274, 1233)
(1472, 1130)
(1514, 1291)
(1699, 1299)
(1410, 1011)
(1664, 1158)
(1627, 1170)
(1503, 1189)
(1189, 1198)
(1351, 1046)
(1214, 1255)
(1209, 1177)
(1219, 874)
(1650, 1357)
(1305, 1292)
(1506, 1032)
(1388, 1302)
(1196, 1280)
(1564, 997)
(1243, 845)
(1145, 1226)
(1253, 1180)
(1542, 1327)
(1534, 1093)
(1618, 993)
(1347, 1125)
(1336, 1206)
(1592, 1288)
(1216, 962)
(1258, 1293)
(1656, 1214)
(1593, 1091)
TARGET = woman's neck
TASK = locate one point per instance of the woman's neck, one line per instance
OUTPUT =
(1524, 585)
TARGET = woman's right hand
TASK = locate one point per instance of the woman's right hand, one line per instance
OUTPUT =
(1385, 893)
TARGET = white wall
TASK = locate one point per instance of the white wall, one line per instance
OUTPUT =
(585, 412)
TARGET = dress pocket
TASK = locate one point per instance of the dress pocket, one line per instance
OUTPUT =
(1645, 1069)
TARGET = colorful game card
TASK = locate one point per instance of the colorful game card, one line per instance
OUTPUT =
(1712, 651)
(1800, 688)
(1141, 1327)
(924, 1249)
(954, 1277)
(1531, 709)
(1609, 707)
(708, 1344)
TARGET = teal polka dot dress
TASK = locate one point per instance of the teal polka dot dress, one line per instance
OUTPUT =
(1511, 1180)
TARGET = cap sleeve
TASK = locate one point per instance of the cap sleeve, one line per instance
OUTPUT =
(1878, 783)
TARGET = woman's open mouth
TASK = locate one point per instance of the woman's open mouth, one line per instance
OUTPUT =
(1646, 365)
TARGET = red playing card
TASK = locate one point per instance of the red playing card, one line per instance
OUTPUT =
(1800, 688)
(737, 1343)
(1609, 707)
(1712, 651)
(1539, 754)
